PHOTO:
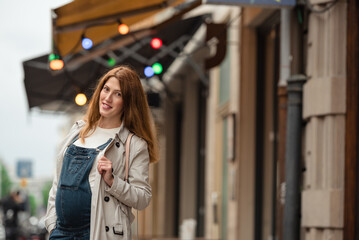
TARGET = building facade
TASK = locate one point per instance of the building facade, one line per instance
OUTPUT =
(225, 128)
(226, 142)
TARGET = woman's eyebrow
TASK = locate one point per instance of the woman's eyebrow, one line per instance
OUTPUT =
(116, 90)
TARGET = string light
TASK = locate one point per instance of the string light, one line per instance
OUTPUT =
(156, 43)
(53, 56)
(111, 62)
(86, 43)
(80, 99)
(55, 62)
(157, 68)
(149, 71)
(123, 29)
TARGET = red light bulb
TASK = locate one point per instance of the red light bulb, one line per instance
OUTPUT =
(156, 43)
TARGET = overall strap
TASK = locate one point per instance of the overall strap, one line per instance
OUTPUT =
(128, 141)
(74, 139)
(103, 146)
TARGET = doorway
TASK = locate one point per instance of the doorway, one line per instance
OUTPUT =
(268, 36)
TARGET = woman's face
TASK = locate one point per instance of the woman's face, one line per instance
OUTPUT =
(111, 102)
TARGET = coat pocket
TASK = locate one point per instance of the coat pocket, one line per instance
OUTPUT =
(117, 229)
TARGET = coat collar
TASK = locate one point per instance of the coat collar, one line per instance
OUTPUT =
(123, 133)
(80, 123)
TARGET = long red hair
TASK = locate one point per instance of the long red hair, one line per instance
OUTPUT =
(136, 113)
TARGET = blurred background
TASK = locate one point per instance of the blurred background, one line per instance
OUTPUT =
(255, 104)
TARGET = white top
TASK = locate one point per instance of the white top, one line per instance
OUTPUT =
(96, 139)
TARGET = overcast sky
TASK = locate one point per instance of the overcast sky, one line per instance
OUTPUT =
(24, 34)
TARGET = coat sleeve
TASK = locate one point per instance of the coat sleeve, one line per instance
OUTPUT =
(137, 193)
(51, 217)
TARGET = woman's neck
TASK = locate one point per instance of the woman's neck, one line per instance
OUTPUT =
(104, 123)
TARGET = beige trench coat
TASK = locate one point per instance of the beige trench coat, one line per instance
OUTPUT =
(111, 214)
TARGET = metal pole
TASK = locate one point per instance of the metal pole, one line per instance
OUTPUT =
(291, 229)
(284, 47)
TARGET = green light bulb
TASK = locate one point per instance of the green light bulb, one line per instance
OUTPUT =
(52, 56)
(111, 62)
(157, 68)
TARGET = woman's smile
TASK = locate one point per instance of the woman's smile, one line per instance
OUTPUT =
(106, 106)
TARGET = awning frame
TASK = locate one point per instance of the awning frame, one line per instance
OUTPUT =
(73, 61)
(107, 19)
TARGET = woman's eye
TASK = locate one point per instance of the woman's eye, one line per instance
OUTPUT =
(105, 89)
(118, 94)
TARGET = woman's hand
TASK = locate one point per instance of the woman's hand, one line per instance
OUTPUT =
(104, 167)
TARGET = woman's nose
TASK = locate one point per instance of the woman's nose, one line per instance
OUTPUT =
(108, 97)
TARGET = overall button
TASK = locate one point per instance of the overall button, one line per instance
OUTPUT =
(106, 199)
(107, 229)
(117, 144)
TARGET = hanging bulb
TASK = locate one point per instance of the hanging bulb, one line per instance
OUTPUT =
(156, 43)
(56, 64)
(157, 68)
(86, 43)
(123, 29)
(111, 62)
(53, 56)
(149, 71)
(80, 99)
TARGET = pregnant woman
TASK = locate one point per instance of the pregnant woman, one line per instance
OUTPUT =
(91, 195)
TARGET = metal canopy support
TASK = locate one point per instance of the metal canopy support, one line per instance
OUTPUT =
(291, 229)
(196, 42)
(131, 52)
(199, 70)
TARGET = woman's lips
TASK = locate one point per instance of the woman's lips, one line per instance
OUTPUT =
(106, 106)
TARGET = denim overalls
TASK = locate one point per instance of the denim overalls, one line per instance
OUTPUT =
(73, 196)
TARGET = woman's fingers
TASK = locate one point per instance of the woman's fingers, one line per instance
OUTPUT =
(104, 167)
(104, 159)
